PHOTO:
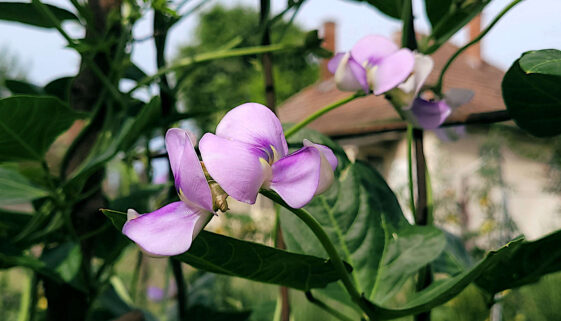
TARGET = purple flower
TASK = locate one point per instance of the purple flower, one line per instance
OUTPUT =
(430, 114)
(374, 62)
(249, 152)
(171, 229)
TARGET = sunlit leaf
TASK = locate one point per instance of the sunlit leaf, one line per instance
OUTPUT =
(546, 62)
(225, 255)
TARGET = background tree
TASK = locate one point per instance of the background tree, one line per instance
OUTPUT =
(222, 84)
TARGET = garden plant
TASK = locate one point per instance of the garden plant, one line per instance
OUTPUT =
(346, 242)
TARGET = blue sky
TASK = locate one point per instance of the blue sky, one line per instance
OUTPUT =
(533, 24)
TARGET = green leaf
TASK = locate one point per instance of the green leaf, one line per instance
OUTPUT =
(516, 264)
(30, 124)
(29, 14)
(533, 100)
(449, 16)
(60, 264)
(59, 88)
(546, 62)
(12, 222)
(16, 189)
(19, 87)
(363, 219)
(225, 255)
(65, 260)
(523, 265)
(133, 72)
(454, 259)
(443, 290)
(391, 8)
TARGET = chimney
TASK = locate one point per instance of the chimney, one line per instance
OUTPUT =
(329, 44)
(474, 52)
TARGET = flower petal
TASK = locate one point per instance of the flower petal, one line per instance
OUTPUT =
(325, 151)
(334, 62)
(167, 231)
(190, 180)
(392, 71)
(421, 70)
(296, 176)
(256, 125)
(350, 75)
(430, 114)
(455, 97)
(372, 48)
(234, 165)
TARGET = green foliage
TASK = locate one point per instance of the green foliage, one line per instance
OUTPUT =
(448, 16)
(29, 125)
(533, 97)
(545, 62)
(225, 255)
(391, 8)
(364, 220)
(217, 86)
(16, 188)
(28, 13)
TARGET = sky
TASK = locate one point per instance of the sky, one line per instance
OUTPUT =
(531, 25)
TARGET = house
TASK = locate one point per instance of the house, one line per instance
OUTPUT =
(466, 201)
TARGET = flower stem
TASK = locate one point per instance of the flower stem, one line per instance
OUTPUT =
(294, 129)
(438, 87)
(336, 260)
(208, 56)
(410, 168)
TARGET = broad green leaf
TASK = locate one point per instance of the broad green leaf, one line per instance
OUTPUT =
(30, 124)
(16, 189)
(517, 263)
(28, 13)
(443, 290)
(449, 16)
(391, 8)
(546, 62)
(225, 255)
(19, 87)
(533, 100)
(526, 264)
(454, 259)
(364, 221)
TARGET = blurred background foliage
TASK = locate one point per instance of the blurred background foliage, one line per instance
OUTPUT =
(218, 85)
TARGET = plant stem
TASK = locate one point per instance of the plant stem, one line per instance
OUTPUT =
(438, 87)
(410, 169)
(326, 307)
(294, 129)
(208, 56)
(181, 290)
(336, 260)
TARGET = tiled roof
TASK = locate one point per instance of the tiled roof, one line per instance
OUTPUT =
(374, 114)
